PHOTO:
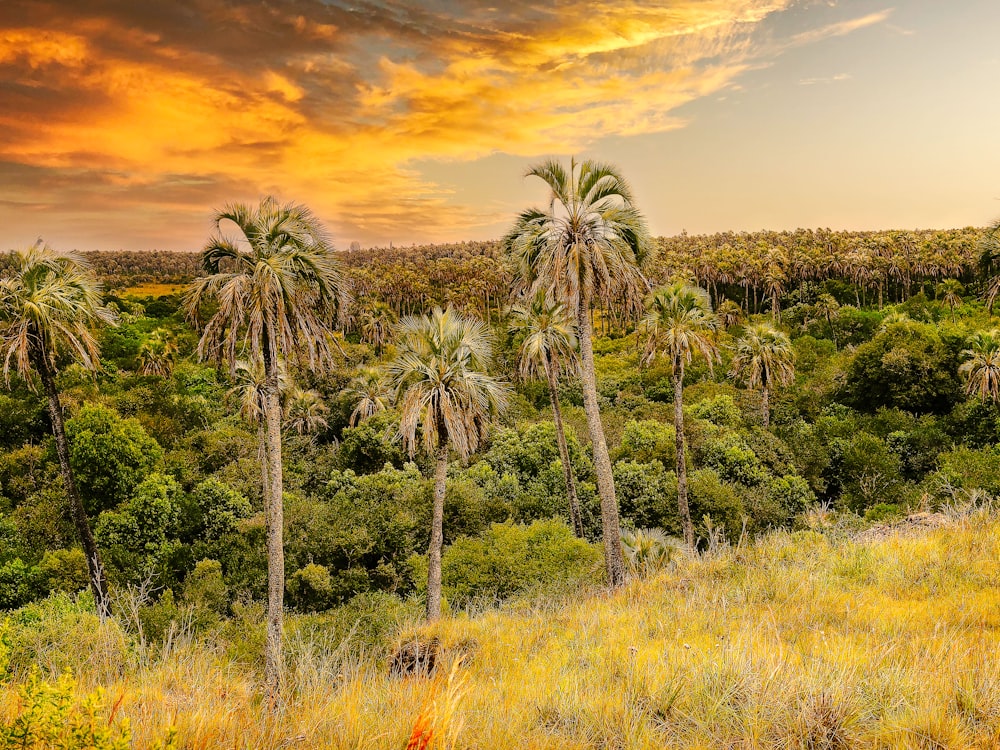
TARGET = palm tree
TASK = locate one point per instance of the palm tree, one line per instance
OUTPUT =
(279, 291)
(376, 321)
(981, 367)
(989, 249)
(951, 294)
(764, 358)
(48, 302)
(729, 313)
(549, 345)
(370, 393)
(305, 412)
(157, 355)
(679, 324)
(829, 309)
(446, 400)
(590, 243)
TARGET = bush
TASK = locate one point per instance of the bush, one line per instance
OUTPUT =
(870, 472)
(647, 494)
(647, 441)
(906, 366)
(719, 410)
(733, 459)
(511, 559)
(710, 496)
(110, 456)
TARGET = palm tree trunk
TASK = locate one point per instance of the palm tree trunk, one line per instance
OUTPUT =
(437, 535)
(274, 512)
(95, 566)
(574, 502)
(765, 406)
(682, 484)
(614, 557)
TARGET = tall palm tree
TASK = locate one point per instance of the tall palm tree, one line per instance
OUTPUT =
(981, 367)
(764, 358)
(549, 345)
(157, 355)
(951, 294)
(280, 291)
(590, 243)
(370, 393)
(446, 399)
(305, 412)
(679, 324)
(48, 302)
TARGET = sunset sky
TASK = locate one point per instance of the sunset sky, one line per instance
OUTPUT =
(124, 123)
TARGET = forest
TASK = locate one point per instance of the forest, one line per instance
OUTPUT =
(303, 446)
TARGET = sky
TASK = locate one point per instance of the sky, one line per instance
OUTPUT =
(125, 124)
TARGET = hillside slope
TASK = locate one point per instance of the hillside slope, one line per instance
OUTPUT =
(802, 640)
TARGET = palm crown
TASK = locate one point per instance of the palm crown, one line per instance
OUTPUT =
(370, 393)
(764, 357)
(680, 323)
(279, 287)
(591, 241)
(47, 306)
(981, 367)
(549, 335)
(440, 376)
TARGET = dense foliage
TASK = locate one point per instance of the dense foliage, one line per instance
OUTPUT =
(872, 414)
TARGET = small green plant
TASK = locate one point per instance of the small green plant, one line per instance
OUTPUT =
(53, 714)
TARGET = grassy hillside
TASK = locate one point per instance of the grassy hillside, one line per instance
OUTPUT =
(808, 639)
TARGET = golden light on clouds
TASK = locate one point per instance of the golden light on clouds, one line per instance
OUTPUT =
(139, 119)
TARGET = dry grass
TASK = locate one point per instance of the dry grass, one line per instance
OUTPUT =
(153, 289)
(803, 640)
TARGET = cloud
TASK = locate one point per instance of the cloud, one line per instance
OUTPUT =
(828, 79)
(145, 115)
(842, 28)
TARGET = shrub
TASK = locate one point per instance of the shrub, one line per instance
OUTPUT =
(646, 441)
(647, 494)
(511, 559)
(906, 366)
(110, 456)
(719, 410)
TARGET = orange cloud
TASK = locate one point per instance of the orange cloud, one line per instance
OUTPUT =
(337, 104)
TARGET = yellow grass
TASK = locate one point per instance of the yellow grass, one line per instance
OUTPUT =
(800, 641)
(152, 289)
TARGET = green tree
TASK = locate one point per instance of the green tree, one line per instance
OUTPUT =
(548, 346)
(109, 455)
(48, 303)
(279, 291)
(981, 366)
(906, 366)
(590, 244)
(446, 399)
(679, 324)
(764, 358)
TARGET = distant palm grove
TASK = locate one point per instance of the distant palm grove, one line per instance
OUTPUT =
(271, 427)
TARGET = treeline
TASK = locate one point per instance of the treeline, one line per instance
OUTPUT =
(748, 267)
